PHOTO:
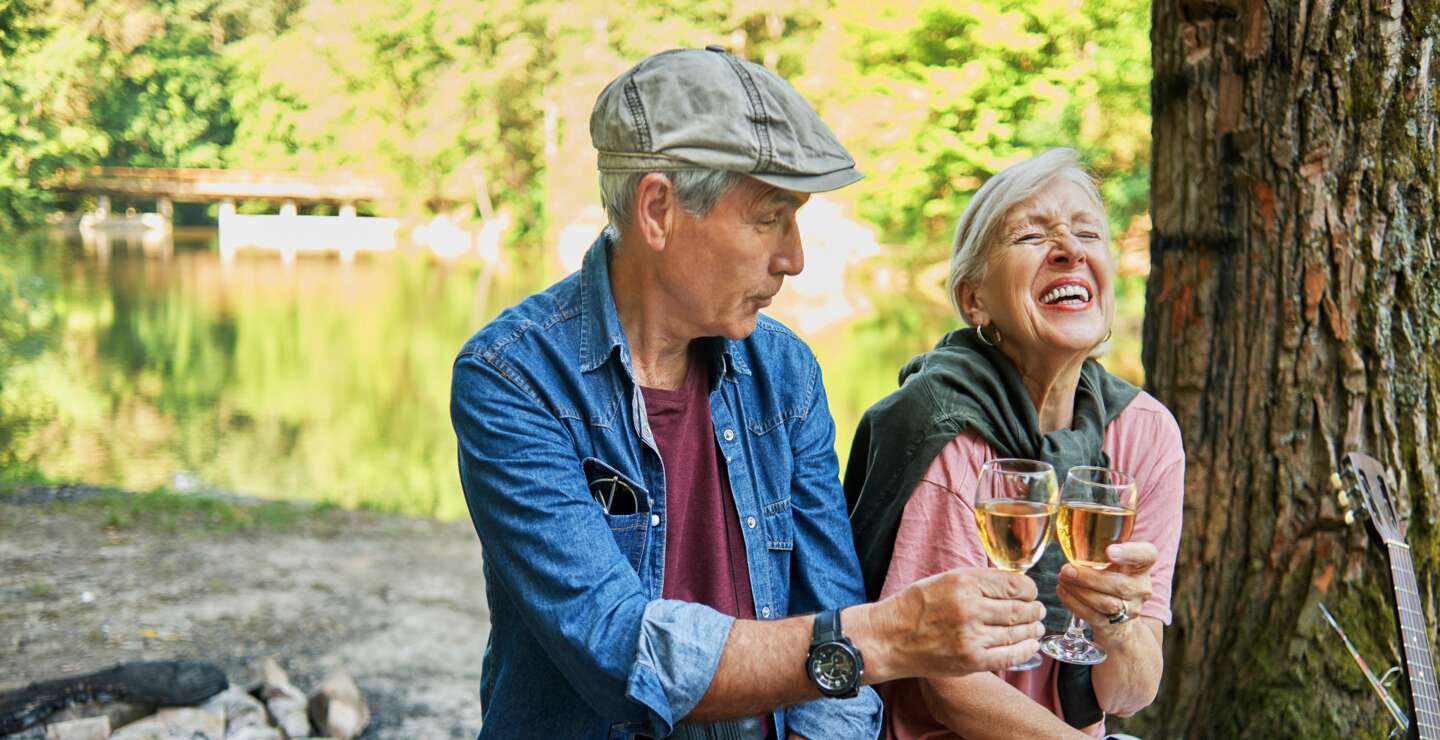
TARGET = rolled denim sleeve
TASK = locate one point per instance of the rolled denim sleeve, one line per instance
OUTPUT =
(635, 662)
(676, 658)
(859, 717)
(825, 573)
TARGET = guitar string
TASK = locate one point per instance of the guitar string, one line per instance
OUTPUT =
(1425, 693)
(1427, 710)
(1415, 644)
(1428, 674)
(1423, 696)
(1415, 658)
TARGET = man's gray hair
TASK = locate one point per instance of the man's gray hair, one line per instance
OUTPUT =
(698, 190)
(985, 214)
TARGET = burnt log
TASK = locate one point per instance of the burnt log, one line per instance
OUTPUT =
(160, 682)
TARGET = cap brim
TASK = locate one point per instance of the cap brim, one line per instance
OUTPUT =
(812, 183)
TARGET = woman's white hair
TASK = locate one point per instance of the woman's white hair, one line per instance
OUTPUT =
(983, 218)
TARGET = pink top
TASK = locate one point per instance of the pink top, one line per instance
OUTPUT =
(938, 532)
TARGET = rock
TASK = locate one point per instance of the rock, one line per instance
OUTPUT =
(337, 709)
(252, 732)
(90, 728)
(289, 713)
(120, 713)
(273, 680)
(150, 728)
(285, 702)
(240, 709)
(183, 723)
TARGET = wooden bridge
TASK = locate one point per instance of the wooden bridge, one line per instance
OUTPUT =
(212, 186)
(288, 233)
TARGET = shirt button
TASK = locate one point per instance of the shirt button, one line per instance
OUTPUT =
(750, 522)
(654, 520)
(729, 435)
(765, 612)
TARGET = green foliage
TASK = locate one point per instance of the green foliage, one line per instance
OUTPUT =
(43, 110)
(443, 100)
(972, 88)
(167, 101)
(136, 82)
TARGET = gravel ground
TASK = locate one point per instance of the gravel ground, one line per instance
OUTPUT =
(398, 602)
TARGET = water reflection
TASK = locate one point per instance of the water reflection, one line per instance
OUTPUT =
(316, 380)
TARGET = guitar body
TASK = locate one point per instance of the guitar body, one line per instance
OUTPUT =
(1373, 485)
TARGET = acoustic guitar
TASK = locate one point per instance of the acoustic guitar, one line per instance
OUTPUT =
(1373, 485)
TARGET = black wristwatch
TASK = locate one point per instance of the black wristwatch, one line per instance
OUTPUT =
(834, 664)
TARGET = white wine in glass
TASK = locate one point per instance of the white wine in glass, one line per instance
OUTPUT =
(1015, 532)
(1086, 529)
(1015, 503)
(1097, 510)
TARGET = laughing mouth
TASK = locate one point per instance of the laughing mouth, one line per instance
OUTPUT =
(1071, 294)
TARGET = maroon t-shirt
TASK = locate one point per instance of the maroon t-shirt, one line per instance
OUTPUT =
(705, 559)
(704, 551)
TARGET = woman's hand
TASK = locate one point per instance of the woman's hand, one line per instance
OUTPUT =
(1098, 595)
(1129, 678)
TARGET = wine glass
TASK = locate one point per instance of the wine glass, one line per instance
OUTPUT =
(1097, 510)
(1015, 502)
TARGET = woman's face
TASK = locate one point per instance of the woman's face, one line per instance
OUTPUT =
(1049, 281)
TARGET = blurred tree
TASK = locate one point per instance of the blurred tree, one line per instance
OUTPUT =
(441, 98)
(946, 95)
(1291, 317)
(44, 107)
(131, 82)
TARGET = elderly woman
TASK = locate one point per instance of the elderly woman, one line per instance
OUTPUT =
(1032, 273)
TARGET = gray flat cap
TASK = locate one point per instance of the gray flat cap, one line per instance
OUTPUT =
(705, 108)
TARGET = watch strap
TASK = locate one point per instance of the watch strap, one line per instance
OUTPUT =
(827, 627)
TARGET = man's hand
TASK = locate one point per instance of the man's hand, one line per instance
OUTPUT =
(954, 623)
(1095, 595)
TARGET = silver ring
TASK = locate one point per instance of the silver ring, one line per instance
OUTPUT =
(1121, 616)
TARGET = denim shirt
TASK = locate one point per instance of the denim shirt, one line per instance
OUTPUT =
(544, 400)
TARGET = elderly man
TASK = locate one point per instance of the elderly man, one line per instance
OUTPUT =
(649, 462)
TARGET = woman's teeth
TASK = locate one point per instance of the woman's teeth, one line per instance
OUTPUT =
(1071, 293)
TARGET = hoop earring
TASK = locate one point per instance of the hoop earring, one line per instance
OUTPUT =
(980, 332)
(1108, 332)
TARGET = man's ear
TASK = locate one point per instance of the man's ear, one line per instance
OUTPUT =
(971, 304)
(655, 210)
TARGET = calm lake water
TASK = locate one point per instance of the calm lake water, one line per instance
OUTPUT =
(316, 380)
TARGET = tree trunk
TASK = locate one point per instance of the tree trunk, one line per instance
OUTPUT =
(1292, 315)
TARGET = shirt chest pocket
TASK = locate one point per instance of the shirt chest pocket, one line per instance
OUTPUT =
(626, 507)
(779, 525)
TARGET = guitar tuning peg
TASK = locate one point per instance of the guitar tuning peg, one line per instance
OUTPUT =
(1349, 516)
(1343, 499)
(1335, 483)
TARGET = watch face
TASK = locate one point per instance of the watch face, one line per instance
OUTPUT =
(833, 667)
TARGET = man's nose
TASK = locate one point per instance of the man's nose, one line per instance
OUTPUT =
(790, 260)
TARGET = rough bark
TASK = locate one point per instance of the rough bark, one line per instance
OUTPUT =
(1291, 316)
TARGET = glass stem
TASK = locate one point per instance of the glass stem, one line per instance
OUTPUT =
(1076, 630)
